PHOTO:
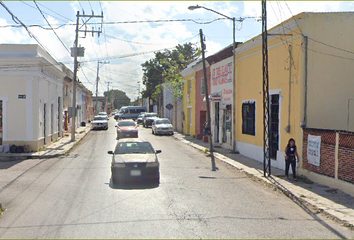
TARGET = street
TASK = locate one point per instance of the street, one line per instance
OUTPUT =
(71, 197)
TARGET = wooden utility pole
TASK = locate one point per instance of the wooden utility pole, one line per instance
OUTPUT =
(211, 149)
(79, 52)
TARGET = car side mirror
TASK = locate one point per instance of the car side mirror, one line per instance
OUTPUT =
(116, 125)
(110, 152)
(158, 151)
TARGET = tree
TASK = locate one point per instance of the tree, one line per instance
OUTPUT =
(165, 67)
(118, 97)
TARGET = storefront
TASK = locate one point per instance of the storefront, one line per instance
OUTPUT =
(221, 98)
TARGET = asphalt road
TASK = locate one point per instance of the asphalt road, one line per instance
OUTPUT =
(71, 197)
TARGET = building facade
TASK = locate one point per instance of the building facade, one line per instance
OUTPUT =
(31, 96)
(188, 115)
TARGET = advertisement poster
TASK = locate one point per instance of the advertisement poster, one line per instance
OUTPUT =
(314, 149)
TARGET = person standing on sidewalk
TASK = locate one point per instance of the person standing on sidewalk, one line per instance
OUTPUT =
(290, 153)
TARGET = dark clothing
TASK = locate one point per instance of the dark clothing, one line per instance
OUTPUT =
(293, 166)
(291, 151)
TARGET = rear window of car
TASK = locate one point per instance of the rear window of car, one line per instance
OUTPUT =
(99, 118)
(151, 115)
(126, 124)
(134, 148)
(165, 121)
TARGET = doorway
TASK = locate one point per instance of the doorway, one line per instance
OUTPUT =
(190, 121)
(274, 126)
(217, 113)
(52, 122)
(1, 122)
(44, 123)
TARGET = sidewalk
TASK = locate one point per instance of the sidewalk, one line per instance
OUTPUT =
(307, 194)
(56, 149)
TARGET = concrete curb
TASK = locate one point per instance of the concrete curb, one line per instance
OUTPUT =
(317, 202)
(24, 156)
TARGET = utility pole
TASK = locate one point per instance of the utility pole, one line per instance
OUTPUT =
(79, 52)
(97, 79)
(266, 125)
(211, 149)
(138, 93)
(106, 107)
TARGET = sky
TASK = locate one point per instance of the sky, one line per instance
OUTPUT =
(127, 41)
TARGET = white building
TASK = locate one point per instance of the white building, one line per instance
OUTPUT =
(31, 96)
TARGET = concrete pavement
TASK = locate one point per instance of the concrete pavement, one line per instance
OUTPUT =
(56, 149)
(332, 202)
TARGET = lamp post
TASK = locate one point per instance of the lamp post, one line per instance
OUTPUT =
(233, 68)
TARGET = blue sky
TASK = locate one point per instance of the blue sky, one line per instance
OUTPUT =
(130, 38)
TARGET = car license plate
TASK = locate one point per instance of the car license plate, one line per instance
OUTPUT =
(135, 173)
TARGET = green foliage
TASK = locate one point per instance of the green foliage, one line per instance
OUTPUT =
(119, 98)
(165, 67)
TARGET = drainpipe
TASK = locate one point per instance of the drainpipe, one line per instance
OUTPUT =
(304, 123)
(348, 113)
(287, 129)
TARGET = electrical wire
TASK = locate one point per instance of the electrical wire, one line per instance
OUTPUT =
(48, 13)
(51, 27)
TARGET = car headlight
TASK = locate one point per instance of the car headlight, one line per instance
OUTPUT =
(152, 164)
(135, 130)
(119, 130)
(118, 165)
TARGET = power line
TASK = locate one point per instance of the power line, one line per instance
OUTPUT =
(18, 21)
(51, 27)
(46, 12)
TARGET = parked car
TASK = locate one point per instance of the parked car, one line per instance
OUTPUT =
(162, 126)
(100, 122)
(130, 112)
(116, 116)
(127, 129)
(134, 159)
(139, 120)
(149, 118)
(103, 114)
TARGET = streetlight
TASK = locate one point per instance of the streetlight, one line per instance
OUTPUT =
(233, 66)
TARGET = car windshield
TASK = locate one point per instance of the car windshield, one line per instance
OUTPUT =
(141, 115)
(151, 115)
(99, 118)
(102, 113)
(133, 147)
(163, 121)
(126, 124)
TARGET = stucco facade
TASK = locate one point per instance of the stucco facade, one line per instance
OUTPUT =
(32, 96)
(188, 100)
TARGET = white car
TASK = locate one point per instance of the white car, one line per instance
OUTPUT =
(100, 122)
(162, 126)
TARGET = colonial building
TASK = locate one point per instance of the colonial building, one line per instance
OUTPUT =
(31, 96)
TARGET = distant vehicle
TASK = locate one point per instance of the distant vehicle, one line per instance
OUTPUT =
(130, 112)
(127, 129)
(103, 114)
(100, 122)
(148, 118)
(162, 126)
(134, 159)
(139, 120)
(116, 115)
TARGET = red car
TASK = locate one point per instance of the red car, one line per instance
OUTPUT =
(127, 129)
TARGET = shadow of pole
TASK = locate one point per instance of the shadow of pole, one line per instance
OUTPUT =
(298, 201)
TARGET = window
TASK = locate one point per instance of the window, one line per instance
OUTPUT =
(202, 91)
(189, 86)
(249, 118)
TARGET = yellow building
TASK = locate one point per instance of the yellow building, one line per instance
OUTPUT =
(310, 83)
(188, 75)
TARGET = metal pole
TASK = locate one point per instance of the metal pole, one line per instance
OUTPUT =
(97, 78)
(233, 135)
(211, 150)
(266, 125)
(75, 78)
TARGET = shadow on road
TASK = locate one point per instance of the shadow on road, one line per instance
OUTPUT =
(132, 185)
(302, 205)
(9, 164)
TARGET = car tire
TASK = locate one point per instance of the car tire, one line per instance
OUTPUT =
(152, 131)
(172, 134)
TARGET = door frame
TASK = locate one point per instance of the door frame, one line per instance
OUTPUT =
(276, 92)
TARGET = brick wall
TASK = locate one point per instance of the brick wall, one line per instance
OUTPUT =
(346, 157)
(328, 143)
(328, 146)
